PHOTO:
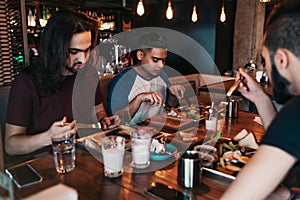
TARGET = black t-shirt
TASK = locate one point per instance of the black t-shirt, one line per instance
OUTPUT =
(284, 131)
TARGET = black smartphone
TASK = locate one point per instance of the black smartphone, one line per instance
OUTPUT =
(162, 191)
(23, 175)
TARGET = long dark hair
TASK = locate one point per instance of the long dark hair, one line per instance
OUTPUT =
(56, 38)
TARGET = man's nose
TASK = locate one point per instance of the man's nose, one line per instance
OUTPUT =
(83, 56)
(161, 64)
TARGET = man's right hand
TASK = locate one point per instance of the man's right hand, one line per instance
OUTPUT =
(153, 98)
(249, 87)
(58, 127)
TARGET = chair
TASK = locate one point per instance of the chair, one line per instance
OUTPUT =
(4, 94)
(1, 152)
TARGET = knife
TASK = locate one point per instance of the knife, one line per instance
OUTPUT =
(82, 125)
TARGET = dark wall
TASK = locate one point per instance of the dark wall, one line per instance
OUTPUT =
(203, 31)
(224, 37)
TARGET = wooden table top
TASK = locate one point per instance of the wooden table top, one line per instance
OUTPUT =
(89, 181)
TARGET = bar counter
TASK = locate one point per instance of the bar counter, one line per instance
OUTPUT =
(89, 181)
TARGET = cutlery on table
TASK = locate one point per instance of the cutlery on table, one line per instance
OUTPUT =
(83, 125)
(234, 86)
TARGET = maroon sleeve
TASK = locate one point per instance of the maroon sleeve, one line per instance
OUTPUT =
(21, 99)
(99, 95)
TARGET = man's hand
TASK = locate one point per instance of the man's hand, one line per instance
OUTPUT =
(178, 91)
(153, 98)
(249, 87)
(110, 122)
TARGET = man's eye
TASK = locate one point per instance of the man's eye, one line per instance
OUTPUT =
(76, 51)
(155, 60)
(73, 51)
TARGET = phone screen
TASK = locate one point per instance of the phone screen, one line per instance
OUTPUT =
(163, 191)
(23, 175)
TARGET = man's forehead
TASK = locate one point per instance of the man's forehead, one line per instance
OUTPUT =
(158, 50)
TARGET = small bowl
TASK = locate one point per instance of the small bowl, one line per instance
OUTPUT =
(163, 156)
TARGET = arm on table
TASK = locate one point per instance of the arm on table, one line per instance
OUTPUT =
(17, 142)
(260, 177)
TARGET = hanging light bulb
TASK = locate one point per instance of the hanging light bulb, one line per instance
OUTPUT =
(223, 15)
(264, 1)
(194, 14)
(169, 12)
(140, 8)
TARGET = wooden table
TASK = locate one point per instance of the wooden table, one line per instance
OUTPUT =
(88, 179)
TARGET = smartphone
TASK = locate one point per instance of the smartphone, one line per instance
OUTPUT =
(23, 175)
(162, 191)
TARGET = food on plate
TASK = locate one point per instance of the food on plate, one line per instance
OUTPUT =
(246, 139)
(195, 112)
(157, 147)
(235, 155)
(240, 135)
(214, 138)
(187, 136)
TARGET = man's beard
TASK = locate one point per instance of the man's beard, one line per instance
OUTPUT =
(280, 86)
(72, 69)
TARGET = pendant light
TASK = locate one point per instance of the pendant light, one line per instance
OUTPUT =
(194, 14)
(264, 1)
(169, 12)
(223, 15)
(140, 8)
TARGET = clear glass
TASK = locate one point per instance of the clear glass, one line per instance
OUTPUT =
(63, 146)
(113, 148)
(140, 145)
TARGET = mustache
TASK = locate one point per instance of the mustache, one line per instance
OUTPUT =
(77, 63)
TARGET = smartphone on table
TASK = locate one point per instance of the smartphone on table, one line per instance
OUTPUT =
(23, 175)
(162, 191)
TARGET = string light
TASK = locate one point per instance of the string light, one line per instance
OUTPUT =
(140, 8)
(194, 14)
(223, 15)
(169, 12)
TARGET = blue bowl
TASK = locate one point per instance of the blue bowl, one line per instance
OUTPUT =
(163, 156)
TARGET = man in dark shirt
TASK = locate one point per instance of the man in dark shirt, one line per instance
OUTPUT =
(279, 151)
(41, 100)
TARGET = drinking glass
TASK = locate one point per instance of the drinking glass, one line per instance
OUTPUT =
(113, 148)
(63, 146)
(140, 145)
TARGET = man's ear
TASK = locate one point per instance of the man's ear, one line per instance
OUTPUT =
(139, 54)
(281, 58)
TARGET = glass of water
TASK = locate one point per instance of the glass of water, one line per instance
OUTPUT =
(63, 146)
